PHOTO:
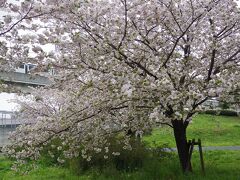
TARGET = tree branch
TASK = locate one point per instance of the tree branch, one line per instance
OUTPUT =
(125, 25)
(178, 39)
(162, 123)
(16, 23)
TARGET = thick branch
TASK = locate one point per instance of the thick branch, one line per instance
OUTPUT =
(163, 123)
(211, 65)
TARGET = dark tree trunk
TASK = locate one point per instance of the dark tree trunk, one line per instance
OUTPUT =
(179, 128)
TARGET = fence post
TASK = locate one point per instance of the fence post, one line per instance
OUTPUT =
(191, 146)
(201, 155)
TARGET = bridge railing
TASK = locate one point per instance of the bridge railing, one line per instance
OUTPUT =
(7, 119)
(8, 123)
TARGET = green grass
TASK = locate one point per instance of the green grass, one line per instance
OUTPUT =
(218, 164)
(212, 130)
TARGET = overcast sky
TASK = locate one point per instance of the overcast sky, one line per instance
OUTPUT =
(6, 103)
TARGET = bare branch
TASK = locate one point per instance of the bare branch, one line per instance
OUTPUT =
(178, 39)
(17, 22)
(126, 23)
(232, 56)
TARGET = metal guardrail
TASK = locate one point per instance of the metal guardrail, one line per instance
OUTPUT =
(7, 119)
(8, 123)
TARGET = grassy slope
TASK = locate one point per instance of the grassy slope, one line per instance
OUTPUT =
(219, 165)
(212, 130)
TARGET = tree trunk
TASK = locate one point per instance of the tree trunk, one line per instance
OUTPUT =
(179, 128)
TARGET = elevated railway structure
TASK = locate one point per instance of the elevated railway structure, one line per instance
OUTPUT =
(21, 79)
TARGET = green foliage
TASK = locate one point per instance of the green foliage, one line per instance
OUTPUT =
(223, 112)
(48, 160)
(5, 165)
(224, 105)
(228, 112)
(211, 111)
(128, 160)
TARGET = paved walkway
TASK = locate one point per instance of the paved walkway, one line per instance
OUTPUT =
(210, 148)
(222, 148)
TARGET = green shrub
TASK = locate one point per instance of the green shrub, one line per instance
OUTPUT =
(223, 112)
(46, 159)
(128, 160)
(228, 112)
(211, 111)
(224, 105)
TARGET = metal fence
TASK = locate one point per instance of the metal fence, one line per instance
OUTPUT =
(8, 123)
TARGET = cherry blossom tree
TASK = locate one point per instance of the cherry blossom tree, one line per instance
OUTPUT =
(126, 67)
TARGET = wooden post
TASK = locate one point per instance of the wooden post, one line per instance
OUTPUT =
(191, 146)
(201, 156)
(191, 149)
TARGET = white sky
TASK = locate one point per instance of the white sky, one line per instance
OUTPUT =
(6, 103)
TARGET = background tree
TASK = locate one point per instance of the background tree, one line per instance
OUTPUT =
(127, 66)
(9, 25)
